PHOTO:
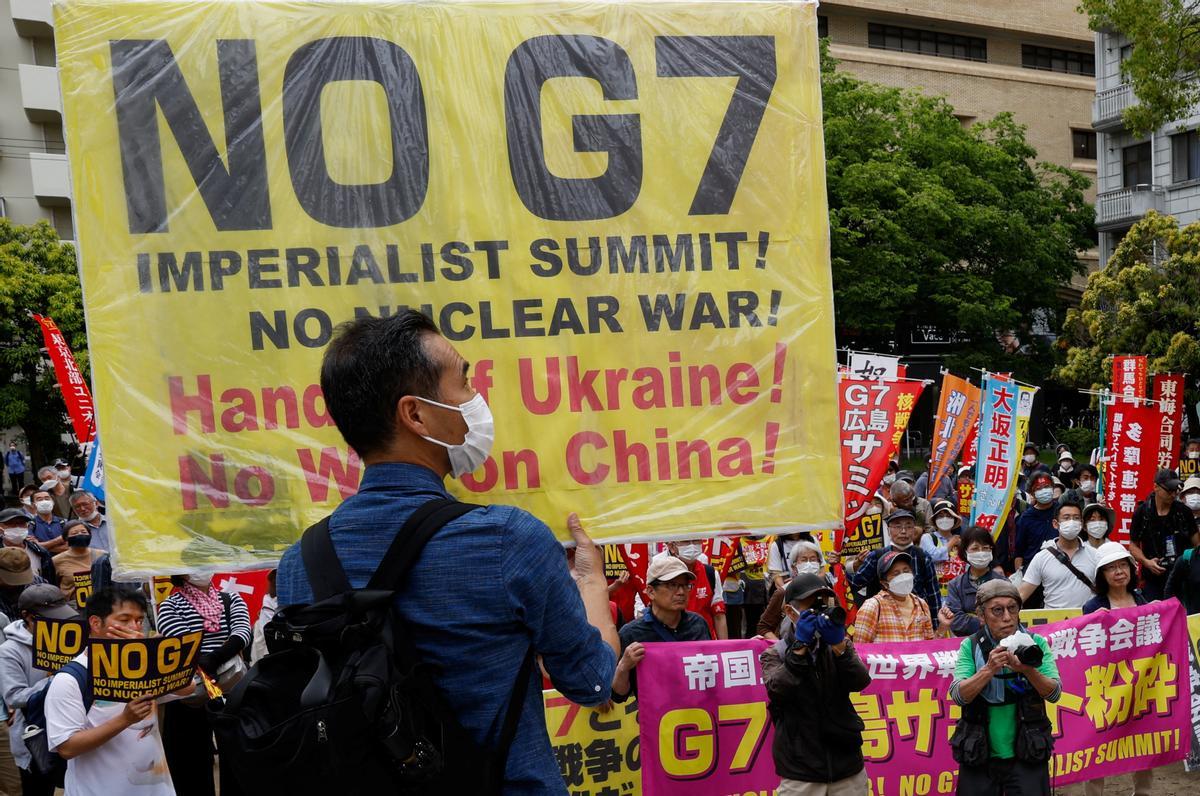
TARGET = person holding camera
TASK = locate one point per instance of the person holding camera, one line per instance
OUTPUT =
(809, 674)
(1162, 529)
(1002, 681)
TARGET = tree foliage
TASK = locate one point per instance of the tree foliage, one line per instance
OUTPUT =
(1145, 301)
(936, 223)
(37, 275)
(1163, 68)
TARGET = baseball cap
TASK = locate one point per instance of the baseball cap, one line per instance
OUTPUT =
(61, 463)
(14, 567)
(1188, 485)
(664, 567)
(889, 560)
(46, 599)
(10, 515)
(1168, 479)
(900, 514)
(804, 586)
(1029, 446)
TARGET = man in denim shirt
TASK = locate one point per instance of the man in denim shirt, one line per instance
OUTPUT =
(489, 584)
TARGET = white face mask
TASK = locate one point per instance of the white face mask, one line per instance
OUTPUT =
(874, 510)
(64, 473)
(979, 559)
(1194, 454)
(199, 581)
(889, 479)
(901, 585)
(27, 501)
(1044, 495)
(1087, 487)
(481, 433)
(14, 536)
(44, 506)
(1192, 500)
(48, 485)
(944, 523)
(898, 546)
(808, 568)
(91, 517)
(688, 552)
(1069, 529)
(1029, 458)
(1097, 528)
(1066, 468)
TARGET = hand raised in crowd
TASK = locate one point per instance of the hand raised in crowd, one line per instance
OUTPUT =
(860, 558)
(588, 560)
(137, 710)
(832, 633)
(632, 657)
(620, 582)
(833, 557)
(945, 616)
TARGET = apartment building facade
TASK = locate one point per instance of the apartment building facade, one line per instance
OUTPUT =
(1159, 171)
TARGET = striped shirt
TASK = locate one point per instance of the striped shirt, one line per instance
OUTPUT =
(177, 617)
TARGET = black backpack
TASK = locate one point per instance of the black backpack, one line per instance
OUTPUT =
(44, 762)
(342, 704)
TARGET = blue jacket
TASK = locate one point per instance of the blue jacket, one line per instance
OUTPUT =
(1034, 527)
(486, 586)
(14, 461)
(960, 599)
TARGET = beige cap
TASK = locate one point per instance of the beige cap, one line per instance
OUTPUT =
(664, 567)
(1191, 483)
(14, 567)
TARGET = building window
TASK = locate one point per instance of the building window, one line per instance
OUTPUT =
(926, 42)
(822, 26)
(1055, 60)
(1135, 165)
(1083, 145)
(1124, 53)
(1185, 156)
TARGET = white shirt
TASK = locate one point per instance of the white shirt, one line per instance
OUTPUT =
(775, 564)
(1060, 586)
(131, 763)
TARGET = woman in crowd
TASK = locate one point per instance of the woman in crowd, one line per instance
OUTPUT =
(196, 605)
(958, 613)
(77, 559)
(805, 558)
(1098, 522)
(895, 613)
(1115, 578)
(947, 524)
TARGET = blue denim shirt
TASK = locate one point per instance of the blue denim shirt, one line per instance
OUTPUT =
(486, 586)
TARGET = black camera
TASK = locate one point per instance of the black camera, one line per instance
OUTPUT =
(835, 613)
(1029, 654)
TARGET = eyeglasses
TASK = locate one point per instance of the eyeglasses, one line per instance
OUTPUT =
(999, 611)
(673, 586)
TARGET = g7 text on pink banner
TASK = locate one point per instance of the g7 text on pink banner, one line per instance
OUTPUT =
(1124, 706)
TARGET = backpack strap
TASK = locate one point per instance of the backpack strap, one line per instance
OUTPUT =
(420, 527)
(325, 573)
(75, 669)
(1066, 562)
(512, 718)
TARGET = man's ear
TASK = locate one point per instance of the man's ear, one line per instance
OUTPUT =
(410, 415)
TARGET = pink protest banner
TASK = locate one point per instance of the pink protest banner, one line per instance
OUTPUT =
(1125, 706)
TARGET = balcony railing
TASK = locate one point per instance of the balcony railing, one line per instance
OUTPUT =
(1127, 205)
(1110, 104)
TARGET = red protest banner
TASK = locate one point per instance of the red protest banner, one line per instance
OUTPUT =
(1132, 458)
(874, 415)
(252, 586)
(637, 558)
(75, 392)
(1168, 391)
(1129, 376)
(971, 446)
(958, 411)
(725, 555)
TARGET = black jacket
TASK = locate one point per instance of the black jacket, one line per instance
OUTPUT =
(818, 734)
(1184, 581)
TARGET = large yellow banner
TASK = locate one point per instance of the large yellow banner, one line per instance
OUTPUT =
(616, 211)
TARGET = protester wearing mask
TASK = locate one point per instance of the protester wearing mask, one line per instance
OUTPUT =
(197, 605)
(964, 490)
(402, 397)
(16, 526)
(806, 558)
(978, 550)
(77, 559)
(47, 528)
(668, 582)
(1115, 579)
(26, 498)
(903, 527)
(894, 613)
(946, 525)
(1035, 526)
(777, 558)
(809, 676)
(1066, 472)
(1029, 466)
(19, 680)
(1189, 462)
(59, 490)
(706, 597)
(87, 508)
(1097, 523)
(1066, 567)
(14, 462)
(904, 496)
(1183, 583)
(1059, 489)
(1089, 478)
(1161, 530)
(1000, 694)
(1190, 496)
(889, 478)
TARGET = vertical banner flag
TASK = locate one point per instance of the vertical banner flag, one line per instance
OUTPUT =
(1129, 376)
(638, 273)
(75, 392)
(971, 446)
(1168, 391)
(1003, 424)
(873, 366)
(958, 410)
(1132, 460)
(93, 476)
(1192, 763)
(1125, 706)
(874, 415)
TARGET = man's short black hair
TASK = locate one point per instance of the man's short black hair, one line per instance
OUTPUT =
(1067, 501)
(371, 364)
(103, 602)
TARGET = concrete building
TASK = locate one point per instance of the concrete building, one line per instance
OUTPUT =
(1159, 171)
(35, 182)
(1031, 57)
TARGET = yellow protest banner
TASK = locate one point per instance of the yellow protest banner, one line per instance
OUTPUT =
(615, 210)
(56, 642)
(83, 589)
(598, 753)
(124, 669)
